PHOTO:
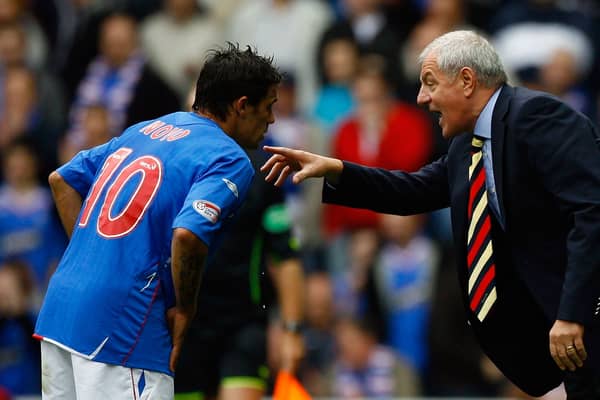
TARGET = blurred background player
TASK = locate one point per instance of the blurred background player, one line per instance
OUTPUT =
(158, 198)
(225, 352)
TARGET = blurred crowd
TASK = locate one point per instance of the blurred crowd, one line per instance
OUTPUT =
(384, 314)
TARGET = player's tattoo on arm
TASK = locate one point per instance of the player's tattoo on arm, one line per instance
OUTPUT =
(191, 268)
(188, 254)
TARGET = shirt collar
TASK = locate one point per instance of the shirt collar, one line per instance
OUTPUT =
(483, 126)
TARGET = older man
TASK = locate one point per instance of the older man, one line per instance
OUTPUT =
(522, 178)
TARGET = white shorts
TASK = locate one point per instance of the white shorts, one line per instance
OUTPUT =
(68, 376)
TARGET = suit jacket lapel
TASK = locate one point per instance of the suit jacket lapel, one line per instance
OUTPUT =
(498, 133)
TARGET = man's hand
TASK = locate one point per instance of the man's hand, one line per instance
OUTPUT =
(178, 322)
(292, 351)
(566, 345)
(306, 165)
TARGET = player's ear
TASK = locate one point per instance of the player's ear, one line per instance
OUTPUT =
(240, 105)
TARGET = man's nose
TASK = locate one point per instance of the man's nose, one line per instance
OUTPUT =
(423, 97)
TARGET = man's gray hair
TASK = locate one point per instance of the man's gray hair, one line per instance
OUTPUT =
(459, 49)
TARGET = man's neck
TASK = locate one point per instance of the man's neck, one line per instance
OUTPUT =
(482, 97)
(226, 126)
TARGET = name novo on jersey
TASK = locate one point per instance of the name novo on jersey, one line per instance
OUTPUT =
(163, 131)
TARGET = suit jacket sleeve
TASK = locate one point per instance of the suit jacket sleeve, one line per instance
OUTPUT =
(562, 147)
(391, 192)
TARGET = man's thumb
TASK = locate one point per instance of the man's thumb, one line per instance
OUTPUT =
(298, 177)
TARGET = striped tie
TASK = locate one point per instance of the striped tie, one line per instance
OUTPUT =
(480, 254)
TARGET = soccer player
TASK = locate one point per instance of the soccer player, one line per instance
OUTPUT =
(144, 211)
(225, 351)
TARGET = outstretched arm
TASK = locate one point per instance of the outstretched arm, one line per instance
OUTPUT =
(305, 165)
(68, 201)
(188, 254)
(376, 189)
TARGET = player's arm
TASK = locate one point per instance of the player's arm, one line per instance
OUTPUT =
(68, 201)
(288, 278)
(188, 254)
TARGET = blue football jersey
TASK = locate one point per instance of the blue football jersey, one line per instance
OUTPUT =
(108, 297)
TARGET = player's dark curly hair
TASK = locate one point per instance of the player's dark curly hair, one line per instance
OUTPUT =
(230, 73)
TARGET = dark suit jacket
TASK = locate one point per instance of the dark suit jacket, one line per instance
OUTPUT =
(547, 171)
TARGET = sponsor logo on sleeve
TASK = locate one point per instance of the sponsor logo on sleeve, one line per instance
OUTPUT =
(208, 210)
(232, 186)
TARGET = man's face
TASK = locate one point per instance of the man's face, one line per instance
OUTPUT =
(118, 40)
(255, 120)
(445, 96)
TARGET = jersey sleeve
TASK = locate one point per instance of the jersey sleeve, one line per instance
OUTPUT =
(79, 173)
(214, 198)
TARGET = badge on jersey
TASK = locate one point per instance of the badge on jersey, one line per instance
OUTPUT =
(231, 186)
(208, 210)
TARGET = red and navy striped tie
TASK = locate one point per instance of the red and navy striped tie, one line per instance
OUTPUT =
(480, 253)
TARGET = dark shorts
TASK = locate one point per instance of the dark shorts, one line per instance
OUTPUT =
(213, 356)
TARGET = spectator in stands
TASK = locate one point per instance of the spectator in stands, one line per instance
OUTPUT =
(24, 116)
(334, 99)
(561, 76)
(367, 25)
(15, 11)
(96, 130)
(13, 45)
(51, 104)
(528, 35)
(364, 368)
(120, 78)
(440, 16)
(29, 229)
(19, 352)
(192, 29)
(290, 30)
(319, 335)
(405, 274)
(383, 132)
(77, 25)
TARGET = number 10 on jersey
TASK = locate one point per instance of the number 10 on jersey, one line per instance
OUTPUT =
(115, 226)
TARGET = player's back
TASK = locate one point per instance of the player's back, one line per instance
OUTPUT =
(111, 286)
